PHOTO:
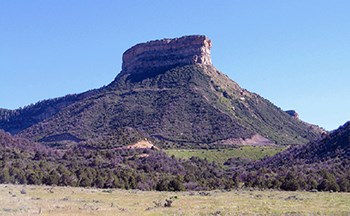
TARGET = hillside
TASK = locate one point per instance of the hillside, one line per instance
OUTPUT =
(322, 165)
(14, 121)
(10, 143)
(168, 92)
(334, 147)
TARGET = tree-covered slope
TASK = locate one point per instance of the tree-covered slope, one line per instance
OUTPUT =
(14, 121)
(335, 147)
(322, 165)
(191, 105)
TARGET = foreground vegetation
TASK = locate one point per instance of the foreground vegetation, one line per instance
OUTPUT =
(222, 155)
(153, 169)
(319, 166)
(45, 200)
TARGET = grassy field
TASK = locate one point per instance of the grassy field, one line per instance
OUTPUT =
(222, 155)
(43, 200)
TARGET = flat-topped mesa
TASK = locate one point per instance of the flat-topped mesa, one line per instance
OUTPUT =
(161, 55)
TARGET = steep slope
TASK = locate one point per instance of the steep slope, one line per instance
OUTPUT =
(168, 92)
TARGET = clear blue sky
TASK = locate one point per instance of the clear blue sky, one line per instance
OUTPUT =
(295, 53)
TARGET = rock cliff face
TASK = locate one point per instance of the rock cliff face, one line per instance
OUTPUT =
(161, 55)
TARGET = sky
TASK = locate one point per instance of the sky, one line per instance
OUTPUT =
(295, 53)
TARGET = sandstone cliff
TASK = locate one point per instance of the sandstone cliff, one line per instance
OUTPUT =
(161, 55)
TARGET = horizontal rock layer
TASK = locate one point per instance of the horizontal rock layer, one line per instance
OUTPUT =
(167, 53)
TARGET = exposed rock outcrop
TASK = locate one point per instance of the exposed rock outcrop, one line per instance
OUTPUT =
(293, 113)
(161, 55)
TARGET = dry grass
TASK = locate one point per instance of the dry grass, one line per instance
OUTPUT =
(43, 200)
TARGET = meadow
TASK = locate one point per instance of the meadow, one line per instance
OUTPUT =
(45, 200)
(222, 155)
